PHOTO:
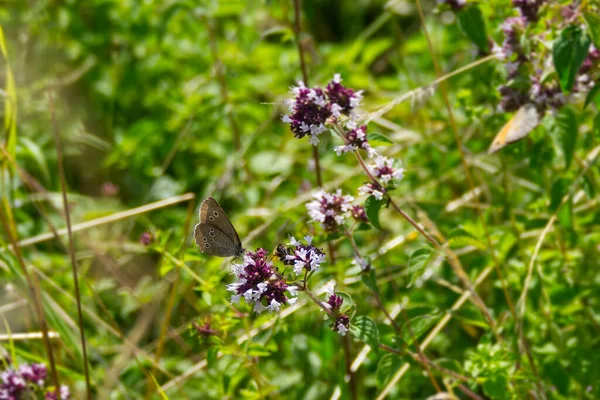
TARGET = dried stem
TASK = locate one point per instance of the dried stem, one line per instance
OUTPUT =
(74, 266)
(420, 352)
(426, 362)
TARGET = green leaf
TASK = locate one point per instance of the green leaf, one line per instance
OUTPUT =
(568, 52)
(472, 24)
(387, 367)
(558, 376)
(365, 330)
(372, 207)
(596, 127)
(566, 129)
(496, 387)
(417, 263)
(460, 237)
(593, 95)
(593, 24)
(379, 138)
(419, 325)
(557, 192)
(370, 279)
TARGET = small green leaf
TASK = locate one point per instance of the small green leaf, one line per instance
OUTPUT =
(568, 52)
(370, 279)
(557, 192)
(596, 127)
(496, 387)
(365, 330)
(417, 263)
(472, 24)
(460, 237)
(372, 207)
(593, 95)
(387, 367)
(379, 138)
(566, 129)
(593, 24)
(419, 325)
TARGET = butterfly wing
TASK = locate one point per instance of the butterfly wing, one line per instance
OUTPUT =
(213, 242)
(212, 213)
(524, 121)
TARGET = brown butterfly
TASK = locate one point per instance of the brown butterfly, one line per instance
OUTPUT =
(215, 235)
(524, 121)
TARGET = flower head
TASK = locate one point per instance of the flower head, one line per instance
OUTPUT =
(259, 283)
(356, 138)
(308, 112)
(34, 373)
(330, 209)
(372, 189)
(304, 257)
(341, 324)
(13, 384)
(345, 98)
(359, 214)
(385, 171)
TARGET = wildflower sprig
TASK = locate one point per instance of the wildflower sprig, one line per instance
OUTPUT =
(29, 381)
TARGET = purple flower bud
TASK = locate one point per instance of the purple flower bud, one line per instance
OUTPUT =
(304, 257)
(384, 170)
(529, 8)
(309, 111)
(109, 189)
(13, 384)
(356, 139)
(359, 214)
(345, 98)
(341, 325)
(146, 238)
(335, 302)
(34, 373)
(512, 99)
(372, 189)
(330, 209)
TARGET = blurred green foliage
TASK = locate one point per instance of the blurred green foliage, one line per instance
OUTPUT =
(144, 116)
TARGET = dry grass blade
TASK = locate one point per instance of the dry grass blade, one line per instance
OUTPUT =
(74, 266)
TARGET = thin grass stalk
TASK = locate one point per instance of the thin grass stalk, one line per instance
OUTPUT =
(34, 290)
(171, 301)
(74, 266)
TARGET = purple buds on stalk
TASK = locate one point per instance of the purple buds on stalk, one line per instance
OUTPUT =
(312, 109)
(260, 284)
(330, 209)
(27, 380)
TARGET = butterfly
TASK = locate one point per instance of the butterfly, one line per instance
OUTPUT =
(524, 121)
(215, 235)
